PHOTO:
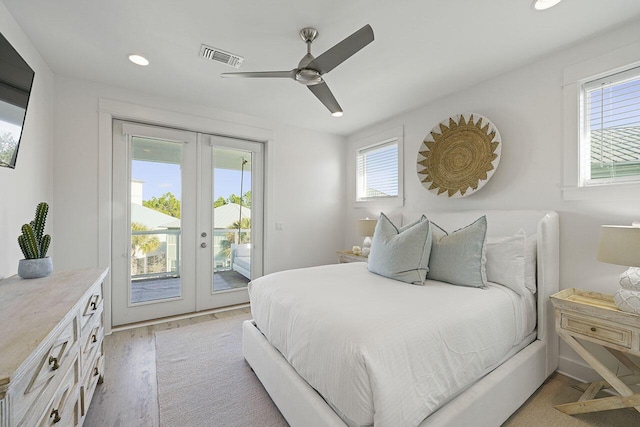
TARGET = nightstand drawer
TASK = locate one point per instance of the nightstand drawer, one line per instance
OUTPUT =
(589, 328)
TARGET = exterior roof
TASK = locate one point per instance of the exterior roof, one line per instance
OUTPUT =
(224, 216)
(626, 148)
(151, 218)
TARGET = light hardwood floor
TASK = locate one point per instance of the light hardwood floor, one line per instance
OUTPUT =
(128, 396)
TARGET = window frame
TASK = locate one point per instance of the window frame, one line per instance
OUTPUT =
(371, 142)
(608, 63)
(587, 85)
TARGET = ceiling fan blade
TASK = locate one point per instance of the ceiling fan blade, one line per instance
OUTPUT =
(323, 93)
(277, 74)
(343, 50)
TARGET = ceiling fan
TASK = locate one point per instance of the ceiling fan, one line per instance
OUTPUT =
(310, 69)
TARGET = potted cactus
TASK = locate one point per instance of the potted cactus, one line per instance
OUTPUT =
(34, 244)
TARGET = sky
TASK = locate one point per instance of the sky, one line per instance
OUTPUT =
(160, 178)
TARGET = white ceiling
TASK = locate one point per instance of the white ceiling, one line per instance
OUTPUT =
(423, 49)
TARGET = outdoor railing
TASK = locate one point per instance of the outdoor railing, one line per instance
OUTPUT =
(164, 262)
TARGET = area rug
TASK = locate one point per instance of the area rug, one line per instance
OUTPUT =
(203, 379)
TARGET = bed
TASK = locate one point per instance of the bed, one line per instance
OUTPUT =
(307, 383)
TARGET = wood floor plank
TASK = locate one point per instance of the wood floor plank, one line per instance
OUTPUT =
(129, 395)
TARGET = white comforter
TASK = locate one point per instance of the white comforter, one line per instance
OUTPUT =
(382, 351)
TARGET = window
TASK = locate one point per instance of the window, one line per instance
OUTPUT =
(610, 129)
(377, 171)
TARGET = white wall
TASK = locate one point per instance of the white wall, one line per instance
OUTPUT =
(527, 107)
(306, 174)
(31, 181)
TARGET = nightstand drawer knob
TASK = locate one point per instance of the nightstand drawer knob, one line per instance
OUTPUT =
(593, 329)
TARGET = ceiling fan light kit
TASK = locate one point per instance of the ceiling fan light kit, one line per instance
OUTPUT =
(544, 4)
(310, 69)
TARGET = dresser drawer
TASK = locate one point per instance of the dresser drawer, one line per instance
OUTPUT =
(63, 409)
(92, 337)
(45, 373)
(92, 305)
(597, 330)
(90, 382)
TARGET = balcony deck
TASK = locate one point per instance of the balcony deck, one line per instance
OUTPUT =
(144, 290)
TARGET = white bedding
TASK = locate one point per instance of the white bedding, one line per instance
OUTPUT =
(382, 351)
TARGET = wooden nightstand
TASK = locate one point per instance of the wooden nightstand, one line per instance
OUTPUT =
(594, 317)
(348, 256)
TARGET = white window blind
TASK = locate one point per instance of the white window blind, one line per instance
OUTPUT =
(610, 143)
(377, 169)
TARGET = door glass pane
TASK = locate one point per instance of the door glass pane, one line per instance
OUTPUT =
(155, 219)
(231, 218)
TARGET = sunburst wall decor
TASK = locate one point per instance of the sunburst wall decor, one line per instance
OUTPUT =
(459, 155)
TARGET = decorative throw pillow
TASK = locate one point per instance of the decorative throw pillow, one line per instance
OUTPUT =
(458, 258)
(505, 261)
(401, 254)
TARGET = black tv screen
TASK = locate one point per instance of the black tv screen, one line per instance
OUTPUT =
(16, 79)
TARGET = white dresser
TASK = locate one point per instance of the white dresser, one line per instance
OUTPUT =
(51, 352)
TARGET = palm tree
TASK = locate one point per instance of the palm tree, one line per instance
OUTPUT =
(243, 236)
(141, 244)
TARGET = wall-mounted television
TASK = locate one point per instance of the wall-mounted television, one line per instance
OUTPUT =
(16, 79)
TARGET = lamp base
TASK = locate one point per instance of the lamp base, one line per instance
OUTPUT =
(627, 300)
(630, 279)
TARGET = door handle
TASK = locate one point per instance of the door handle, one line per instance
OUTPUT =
(203, 245)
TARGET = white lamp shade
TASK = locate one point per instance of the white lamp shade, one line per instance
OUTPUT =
(366, 227)
(619, 245)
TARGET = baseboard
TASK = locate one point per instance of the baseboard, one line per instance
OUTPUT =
(577, 370)
(177, 317)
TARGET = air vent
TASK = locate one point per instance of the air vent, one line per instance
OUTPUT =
(221, 56)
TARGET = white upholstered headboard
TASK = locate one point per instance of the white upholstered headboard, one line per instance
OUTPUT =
(545, 225)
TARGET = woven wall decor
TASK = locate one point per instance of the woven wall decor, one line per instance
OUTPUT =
(459, 155)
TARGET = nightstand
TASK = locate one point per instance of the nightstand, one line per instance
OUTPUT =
(594, 317)
(348, 256)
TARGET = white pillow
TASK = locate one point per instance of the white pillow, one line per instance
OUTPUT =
(530, 262)
(243, 250)
(506, 261)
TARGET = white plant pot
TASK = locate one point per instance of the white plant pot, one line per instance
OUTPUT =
(35, 268)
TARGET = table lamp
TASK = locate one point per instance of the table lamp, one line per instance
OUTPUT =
(365, 228)
(621, 245)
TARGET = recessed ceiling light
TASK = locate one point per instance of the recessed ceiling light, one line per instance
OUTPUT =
(337, 114)
(139, 60)
(544, 4)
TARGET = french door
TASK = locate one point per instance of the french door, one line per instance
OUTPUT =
(187, 221)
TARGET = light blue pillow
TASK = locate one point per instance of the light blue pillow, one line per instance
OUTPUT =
(401, 254)
(459, 258)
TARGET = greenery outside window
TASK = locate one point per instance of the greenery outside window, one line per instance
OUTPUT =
(610, 129)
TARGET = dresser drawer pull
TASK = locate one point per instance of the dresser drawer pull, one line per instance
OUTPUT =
(53, 361)
(55, 415)
(593, 329)
(94, 302)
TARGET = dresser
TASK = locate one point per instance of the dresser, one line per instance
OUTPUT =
(51, 347)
